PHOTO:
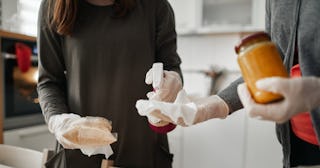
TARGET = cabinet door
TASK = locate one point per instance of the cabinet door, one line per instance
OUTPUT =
(258, 14)
(216, 16)
(263, 149)
(36, 137)
(175, 139)
(215, 143)
(188, 14)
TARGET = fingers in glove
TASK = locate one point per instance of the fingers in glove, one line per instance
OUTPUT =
(181, 122)
(160, 123)
(94, 122)
(173, 74)
(162, 95)
(158, 96)
(150, 95)
(261, 111)
(158, 114)
(252, 108)
(172, 78)
(65, 142)
(165, 95)
(274, 85)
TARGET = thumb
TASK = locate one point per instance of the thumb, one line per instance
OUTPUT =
(273, 84)
(244, 95)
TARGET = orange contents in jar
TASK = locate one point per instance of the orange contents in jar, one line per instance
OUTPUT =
(258, 58)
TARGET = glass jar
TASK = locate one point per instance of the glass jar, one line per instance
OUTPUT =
(258, 58)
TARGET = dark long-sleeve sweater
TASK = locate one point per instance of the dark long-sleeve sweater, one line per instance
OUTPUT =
(99, 71)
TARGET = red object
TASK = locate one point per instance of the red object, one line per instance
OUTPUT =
(163, 130)
(301, 124)
(23, 53)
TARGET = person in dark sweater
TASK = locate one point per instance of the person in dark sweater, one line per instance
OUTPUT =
(93, 57)
(294, 28)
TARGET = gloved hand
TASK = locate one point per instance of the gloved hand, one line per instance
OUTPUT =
(300, 95)
(183, 111)
(169, 86)
(210, 107)
(75, 132)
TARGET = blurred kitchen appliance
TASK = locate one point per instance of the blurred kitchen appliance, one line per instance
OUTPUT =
(21, 106)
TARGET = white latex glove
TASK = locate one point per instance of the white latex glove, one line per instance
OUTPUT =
(183, 111)
(75, 132)
(300, 95)
(169, 87)
(209, 108)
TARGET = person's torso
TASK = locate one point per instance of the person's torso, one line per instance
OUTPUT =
(106, 60)
(294, 22)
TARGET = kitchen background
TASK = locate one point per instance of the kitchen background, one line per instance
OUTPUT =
(207, 32)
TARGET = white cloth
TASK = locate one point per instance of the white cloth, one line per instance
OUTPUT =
(182, 109)
(89, 134)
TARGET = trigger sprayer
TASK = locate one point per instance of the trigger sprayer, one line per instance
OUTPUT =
(157, 69)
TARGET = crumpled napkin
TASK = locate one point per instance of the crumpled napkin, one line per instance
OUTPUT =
(182, 108)
(105, 150)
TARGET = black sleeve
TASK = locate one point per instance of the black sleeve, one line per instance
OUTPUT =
(166, 37)
(230, 96)
(52, 81)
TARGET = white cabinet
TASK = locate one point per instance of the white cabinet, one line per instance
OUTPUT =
(175, 138)
(35, 137)
(216, 16)
(215, 143)
(238, 141)
(188, 14)
(262, 149)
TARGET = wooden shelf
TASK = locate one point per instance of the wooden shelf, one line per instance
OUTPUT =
(6, 34)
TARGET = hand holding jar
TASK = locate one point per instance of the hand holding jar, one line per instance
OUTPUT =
(268, 93)
(300, 95)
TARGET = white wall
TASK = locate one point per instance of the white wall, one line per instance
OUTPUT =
(201, 52)
(9, 8)
(20, 16)
(237, 141)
